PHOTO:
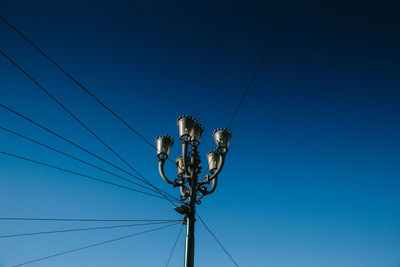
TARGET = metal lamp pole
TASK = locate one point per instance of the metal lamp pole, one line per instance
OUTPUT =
(188, 168)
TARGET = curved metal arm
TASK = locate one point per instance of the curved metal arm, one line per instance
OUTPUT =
(213, 179)
(162, 173)
(213, 185)
(175, 183)
(183, 190)
(208, 179)
(221, 164)
(204, 191)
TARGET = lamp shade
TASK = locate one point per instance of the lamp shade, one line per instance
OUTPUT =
(213, 161)
(198, 129)
(180, 167)
(222, 138)
(164, 144)
(185, 124)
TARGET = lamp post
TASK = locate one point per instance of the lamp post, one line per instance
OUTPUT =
(188, 168)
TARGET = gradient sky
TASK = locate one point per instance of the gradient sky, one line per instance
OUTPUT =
(312, 177)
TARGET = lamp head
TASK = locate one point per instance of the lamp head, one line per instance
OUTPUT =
(222, 138)
(213, 161)
(186, 125)
(164, 144)
(180, 167)
(198, 129)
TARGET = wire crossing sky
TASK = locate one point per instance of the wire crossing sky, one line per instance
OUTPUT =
(76, 173)
(92, 245)
(75, 81)
(312, 173)
(79, 84)
(73, 157)
(260, 63)
(84, 219)
(79, 229)
(173, 248)
(143, 179)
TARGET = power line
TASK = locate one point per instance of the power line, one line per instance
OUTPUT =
(82, 219)
(80, 122)
(81, 174)
(274, 34)
(75, 81)
(216, 239)
(260, 63)
(93, 245)
(69, 141)
(73, 157)
(80, 229)
(173, 248)
(79, 84)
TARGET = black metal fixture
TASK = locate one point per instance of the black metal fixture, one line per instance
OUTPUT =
(192, 189)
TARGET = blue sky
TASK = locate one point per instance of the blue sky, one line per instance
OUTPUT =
(312, 176)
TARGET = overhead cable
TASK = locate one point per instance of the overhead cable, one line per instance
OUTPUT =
(93, 245)
(75, 158)
(75, 80)
(80, 174)
(216, 239)
(260, 63)
(80, 229)
(173, 248)
(143, 179)
(41, 51)
(83, 219)
(68, 141)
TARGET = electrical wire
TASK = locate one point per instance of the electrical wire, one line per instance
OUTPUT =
(81, 123)
(275, 33)
(73, 157)
(173, 248)
(76, 81)
(80, 229)
(260, 63)
(82, 219)
(41, 51)
(81, 174)
(216, 239)
(93, 245)
(69, 141)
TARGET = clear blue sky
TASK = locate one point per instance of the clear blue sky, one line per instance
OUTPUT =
(312, 176)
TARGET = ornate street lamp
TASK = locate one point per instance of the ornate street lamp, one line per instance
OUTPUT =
(188, 168)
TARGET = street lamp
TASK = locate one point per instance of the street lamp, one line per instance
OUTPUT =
(188, 168)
